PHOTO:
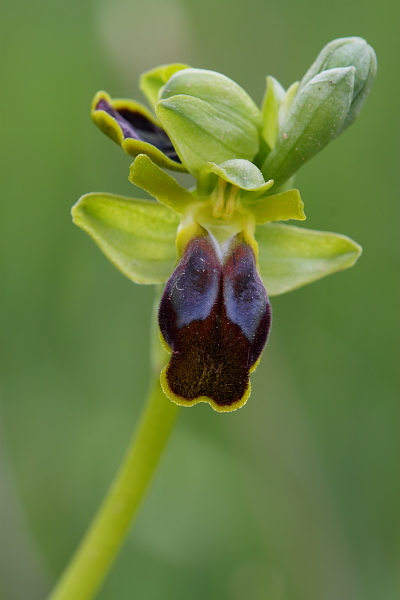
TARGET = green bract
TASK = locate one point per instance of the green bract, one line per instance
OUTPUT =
(218, 244)
(315, 117)
(346, 52)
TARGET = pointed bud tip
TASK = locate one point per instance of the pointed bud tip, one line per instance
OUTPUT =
(348, 52)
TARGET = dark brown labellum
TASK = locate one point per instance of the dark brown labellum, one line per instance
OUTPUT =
(215, 317)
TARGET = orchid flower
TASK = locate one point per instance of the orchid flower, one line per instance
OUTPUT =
(222, 248)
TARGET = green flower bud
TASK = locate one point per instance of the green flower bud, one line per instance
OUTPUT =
(348, 52)
(315, 117)
(329, 98)
(209, 118)
(218, 90)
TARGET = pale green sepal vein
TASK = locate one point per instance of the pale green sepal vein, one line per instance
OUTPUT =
(159, 184)
(279, 207)
(137, 236)
(290, 257)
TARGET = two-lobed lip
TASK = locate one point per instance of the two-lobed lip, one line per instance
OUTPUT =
(215, 318)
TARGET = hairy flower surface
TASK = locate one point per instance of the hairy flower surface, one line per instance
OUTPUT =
(215, 317)
(220, 246)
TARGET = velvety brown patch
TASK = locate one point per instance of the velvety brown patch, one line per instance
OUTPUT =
(210, 359)
(215, 316)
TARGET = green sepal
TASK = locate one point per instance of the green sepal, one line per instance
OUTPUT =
(348, 52)
(217, 90)
(270, 107)
(315, 118)
(238, 172)
(290, 257)
(137, 236)
(152, 81)
(147, 175)
(108, 125)
(201, 133)
(278, 207)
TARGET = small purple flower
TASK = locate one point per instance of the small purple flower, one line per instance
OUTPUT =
(134, 128)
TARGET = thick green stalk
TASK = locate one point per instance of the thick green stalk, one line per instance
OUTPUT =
(108, 530)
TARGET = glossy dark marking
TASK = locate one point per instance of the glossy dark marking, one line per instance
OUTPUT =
(244, 293)
(135, 125)
(193, 286)
(215, 318)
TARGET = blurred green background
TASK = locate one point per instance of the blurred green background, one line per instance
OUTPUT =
(297, 495)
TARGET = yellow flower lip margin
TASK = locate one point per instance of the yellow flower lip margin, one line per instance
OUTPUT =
(202, 399)
(214, 319)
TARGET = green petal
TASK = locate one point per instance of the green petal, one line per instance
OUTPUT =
(279, 207)
(201, 133)
(147, 175)
(137, 147)
(137, 236)
(290, 257)
(216, 89)
(238, 172)
(152, 81)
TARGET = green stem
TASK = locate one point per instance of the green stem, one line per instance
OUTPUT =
(107, 532)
